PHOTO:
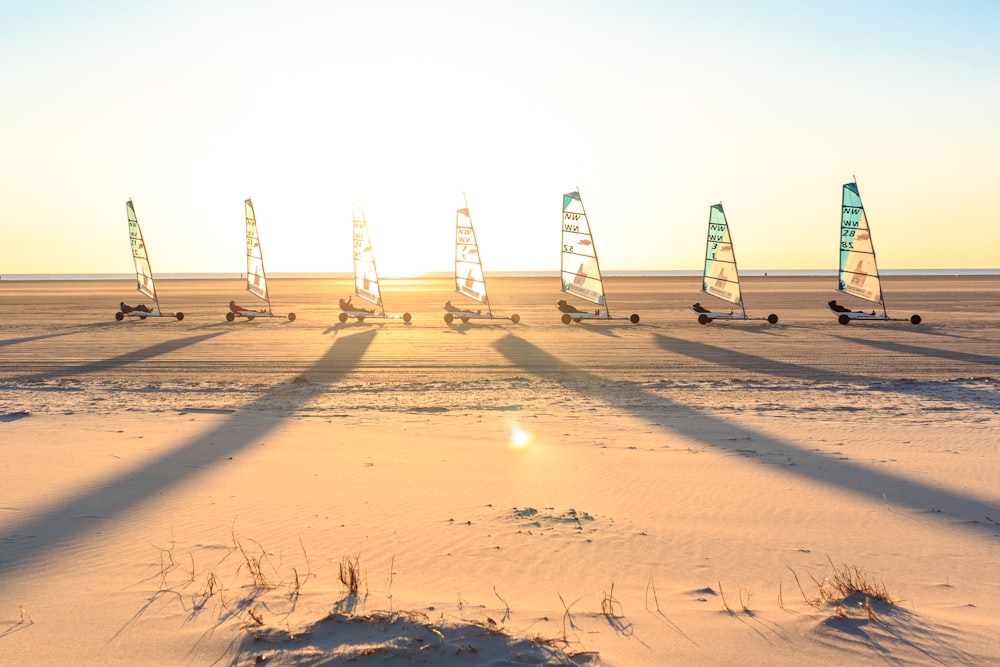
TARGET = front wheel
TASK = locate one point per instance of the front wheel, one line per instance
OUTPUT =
(230, 316)
(914, 319)
(772, 319)
(119, 316)
(342, 317)
(449, 318)
(844, 319)
(515, 318)
(704, 319)
(633, 318)
(566, 319)
(291, 317)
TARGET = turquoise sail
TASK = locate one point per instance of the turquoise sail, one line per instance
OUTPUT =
(720, 278)
(581, 273)
(858, 269)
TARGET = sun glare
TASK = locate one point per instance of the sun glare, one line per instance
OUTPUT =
(519, 438)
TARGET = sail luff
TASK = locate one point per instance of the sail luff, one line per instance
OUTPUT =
(140, 256)
(256, 276)
(366, 283)
(721, 277)
(470, 281)
(858, 275)
(581, 271)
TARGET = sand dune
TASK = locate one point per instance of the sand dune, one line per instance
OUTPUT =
(194, 492)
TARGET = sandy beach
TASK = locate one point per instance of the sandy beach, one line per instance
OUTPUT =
(201, 492)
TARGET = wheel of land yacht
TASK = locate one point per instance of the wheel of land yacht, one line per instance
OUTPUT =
(449, 318)
(566, 319)
(361, 319)
(577, 319)
(250, 318)
(914, 319)
(342, 317)
(119, 316)
(230, 316)
(515, 318)
(844, 319)
(407, 317)
(291, 317)
(633, 318)
(465, 320)
(704, 319)
(772, 319)
(142, 317)
(179, 316)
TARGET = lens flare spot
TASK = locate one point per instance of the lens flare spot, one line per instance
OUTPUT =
(519, 438)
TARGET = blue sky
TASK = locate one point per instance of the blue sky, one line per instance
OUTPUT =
(655, 110)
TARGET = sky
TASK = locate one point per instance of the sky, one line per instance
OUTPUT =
(655, 110)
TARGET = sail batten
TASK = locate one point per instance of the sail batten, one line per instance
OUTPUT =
(366, 283)
(581, 272)
(140, 256)
(858, 269)
(721, 277)
(256, 277)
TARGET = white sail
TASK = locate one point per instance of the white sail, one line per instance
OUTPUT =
(581, 274)
(365, 274)
(858, 270)
(720, 278)
(469, 278)
(256, 278)
(143, 272)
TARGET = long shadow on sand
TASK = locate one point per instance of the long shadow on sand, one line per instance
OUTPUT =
(22, 541)
(122, 360)
(968, 510)
(891, 346)
(755, 364)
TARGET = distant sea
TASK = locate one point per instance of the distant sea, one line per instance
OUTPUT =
(498, 274)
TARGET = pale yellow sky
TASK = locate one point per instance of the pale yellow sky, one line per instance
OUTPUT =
(656, 110)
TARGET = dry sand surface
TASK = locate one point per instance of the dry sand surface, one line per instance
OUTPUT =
(202, 492)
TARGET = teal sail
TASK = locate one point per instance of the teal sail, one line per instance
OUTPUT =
(720, 278)
(469, 278)
(256, 278)
(366, 283)
(581, 273)
(858, 270)
(143, 272)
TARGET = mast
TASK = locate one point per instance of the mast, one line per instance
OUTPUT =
(366, 283)
(859, 274)
(140, 256)
(720, 258)
(470, 280)
(581, 269)
(256, 276)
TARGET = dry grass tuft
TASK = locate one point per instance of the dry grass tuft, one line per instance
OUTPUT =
(851, 580)
(350, 574)
(611, 607)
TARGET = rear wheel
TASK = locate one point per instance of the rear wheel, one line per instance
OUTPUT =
(179, 316)
(704, 319)
(142, 317)
(914, 319)
(291, 317)
(119, 316)
(449, 318)
(844, 319)
(465, 320)
(633, 318)
(515, 318)
(361, 319)
(407, 317)
(772, 319)
(250, 318)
